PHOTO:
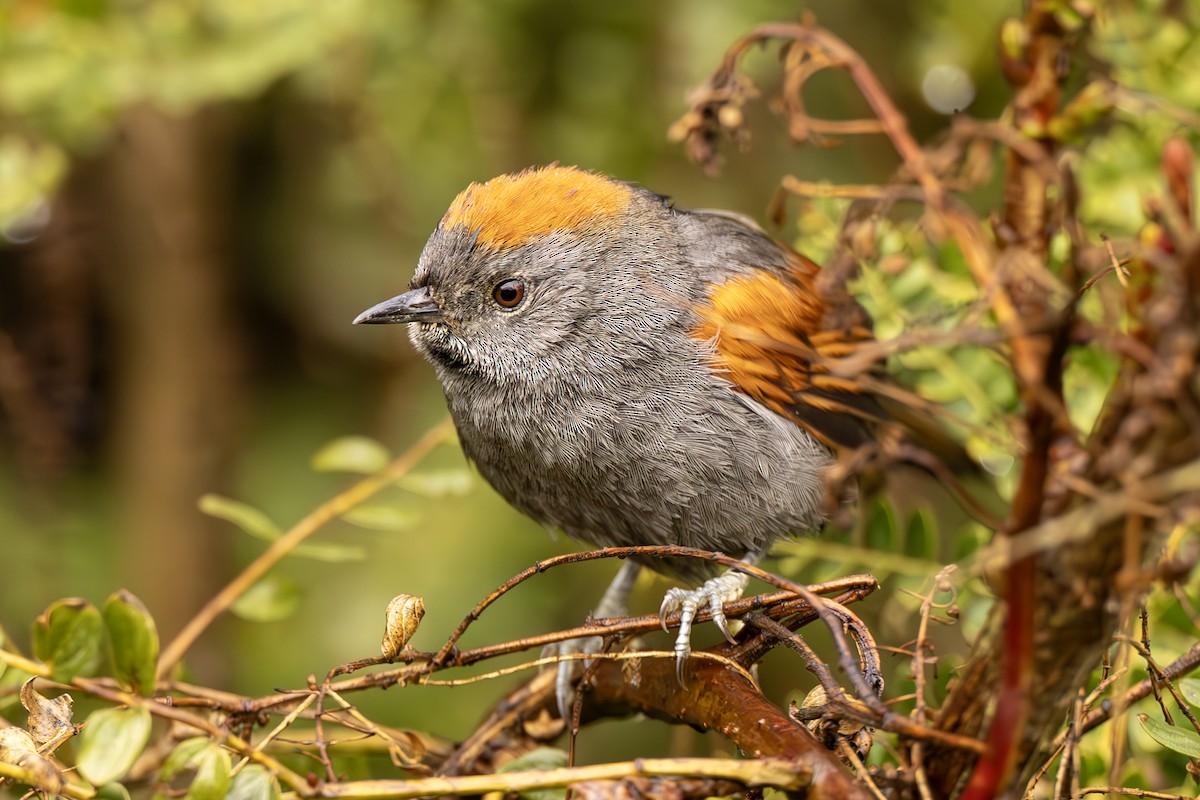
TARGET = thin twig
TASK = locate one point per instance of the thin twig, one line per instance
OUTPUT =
(940, 583)
(760, 772)
(326, 512)
(233, 742)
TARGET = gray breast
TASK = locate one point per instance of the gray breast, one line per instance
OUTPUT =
(629, 465)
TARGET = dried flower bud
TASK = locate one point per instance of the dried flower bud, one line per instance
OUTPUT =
(404, 615)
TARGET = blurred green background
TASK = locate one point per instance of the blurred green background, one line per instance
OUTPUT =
(197, 197)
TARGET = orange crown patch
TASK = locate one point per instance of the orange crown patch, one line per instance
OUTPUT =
(511, 210)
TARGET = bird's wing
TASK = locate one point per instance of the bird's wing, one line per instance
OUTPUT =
(777, 341)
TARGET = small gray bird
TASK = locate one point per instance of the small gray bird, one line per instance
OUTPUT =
(632, 373)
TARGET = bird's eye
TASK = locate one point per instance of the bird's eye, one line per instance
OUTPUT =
(509, 293)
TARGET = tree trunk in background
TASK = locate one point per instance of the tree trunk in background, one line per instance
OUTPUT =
(165, 276)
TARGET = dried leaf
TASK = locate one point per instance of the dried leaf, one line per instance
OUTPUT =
(18, 748)
(404, 614)
(48, 719)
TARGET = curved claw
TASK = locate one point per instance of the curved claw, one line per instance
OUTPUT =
(673, 600)
(683, 641)
(715, 592)
(564, 679)
(681, 659)
(717, 606)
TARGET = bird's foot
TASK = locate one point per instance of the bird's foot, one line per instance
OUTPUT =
(568, 668)
(714, 593)
(612, 604)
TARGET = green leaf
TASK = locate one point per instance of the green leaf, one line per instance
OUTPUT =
(112, 740)
(254, 782)
(256, 523)
(381, 518)
(250, 519)
(87, 9)
(269, 600)
(357, 454)
(882, 526)
(182, 758)
(540, 758)
(133, 642)
(920, 539)
(208, 761)
(438, 484)
(1190, 687)
(330, 552)
(112, 791)
(1181, 740)
(67, 637)
(212, 774)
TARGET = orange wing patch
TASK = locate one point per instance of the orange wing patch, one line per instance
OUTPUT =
(767, 332)
(511, 210)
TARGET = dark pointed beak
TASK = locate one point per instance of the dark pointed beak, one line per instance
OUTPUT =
(414, 306)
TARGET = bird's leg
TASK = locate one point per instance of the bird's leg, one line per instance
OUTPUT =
(614, 603)
(714, 593)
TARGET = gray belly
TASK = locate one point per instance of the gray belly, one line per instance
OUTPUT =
(731, 476)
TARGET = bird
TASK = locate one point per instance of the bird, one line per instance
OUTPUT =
(630, 372)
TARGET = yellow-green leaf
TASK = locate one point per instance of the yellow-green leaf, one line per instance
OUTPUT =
(269, 600)
(212, 774)
(112, 791)
(183, 757)
(112, 740)
(357, 454)
(1191, 690)
(133, 642)
(254, 783)
(381, 518)
(1182, 740)
(67, 637)
(256, 523)
(330, 552)
(250, 519)
(540, 758)
(439, 483)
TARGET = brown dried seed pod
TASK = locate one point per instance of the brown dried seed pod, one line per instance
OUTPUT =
(404, 615)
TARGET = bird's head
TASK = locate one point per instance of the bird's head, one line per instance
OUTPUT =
(551, 270)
